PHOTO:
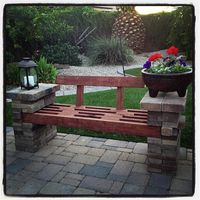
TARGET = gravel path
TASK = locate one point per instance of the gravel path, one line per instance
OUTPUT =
(100, 70)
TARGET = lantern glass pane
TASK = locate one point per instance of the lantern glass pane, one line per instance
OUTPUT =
(23, 76)
(34, 74)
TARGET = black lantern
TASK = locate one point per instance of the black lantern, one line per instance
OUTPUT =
(28, 74)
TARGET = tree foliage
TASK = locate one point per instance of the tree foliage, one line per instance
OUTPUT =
(30, 28)
(181, 33)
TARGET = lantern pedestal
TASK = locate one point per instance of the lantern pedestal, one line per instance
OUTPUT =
(31, 137)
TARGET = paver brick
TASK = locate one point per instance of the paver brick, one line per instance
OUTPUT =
(35, 166)
(139, 179)
(85, 159)
(45, 151)
(22, 176)
(97, 184)
(77, 149)
(74, 176)
(31, 187)
(83, 140)
(156, 191)
(140, 168)
(71, 137)
(96, 152)
(58, 159)
(73, 167)
(152, 104)
(124, 156)
(12, 186)
(116, 187)
(57, 142)
(182, 154)
(48, 172)
(10, 159)
(104, 164)
(182, 186)
(17, 165)
(160, 181)
(116, 143)
(59, 150)
(95, 144)
(83, 191)
(67, 154)
(140, 148)
(122, 168)
(52, 188)
(70, 181)
(116, 177)
(132, 189)
(131, 145)
(96, 171)
(184, 172)
(110, 156)
(139, 158)
(60, 175)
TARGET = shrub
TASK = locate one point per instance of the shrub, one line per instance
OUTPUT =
(181, 33)
(104, 50)
(12, 74)
(46, 72)
(62, 53)
(157, 30)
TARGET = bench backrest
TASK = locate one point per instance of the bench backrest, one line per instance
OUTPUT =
(108, 81)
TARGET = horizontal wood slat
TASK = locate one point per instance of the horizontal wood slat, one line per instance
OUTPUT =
(121, 121)
(109, 81)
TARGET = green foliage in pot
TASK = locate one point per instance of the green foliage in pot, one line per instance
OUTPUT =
(157, 64)
(103, 50)
(46, 72)
(62, 53)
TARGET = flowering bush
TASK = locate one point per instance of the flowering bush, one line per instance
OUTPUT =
(170, 64)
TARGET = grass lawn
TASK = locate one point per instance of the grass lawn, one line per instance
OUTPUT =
(131, 100)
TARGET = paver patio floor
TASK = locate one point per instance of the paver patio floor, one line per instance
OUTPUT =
(79, 165)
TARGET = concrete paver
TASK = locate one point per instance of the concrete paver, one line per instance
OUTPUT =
(96, 171)
(90, 166)
(110, 156)
(99, 184)
(52, 188)
(85, 159)
(48, 172)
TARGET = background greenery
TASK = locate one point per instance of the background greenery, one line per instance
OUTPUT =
(44, 28)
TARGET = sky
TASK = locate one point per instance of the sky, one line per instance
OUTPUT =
(144, 10)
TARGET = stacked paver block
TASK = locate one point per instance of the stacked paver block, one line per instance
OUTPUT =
(164, 111)
(30, 137)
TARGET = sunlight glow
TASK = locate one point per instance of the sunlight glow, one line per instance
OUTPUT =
(145, 10)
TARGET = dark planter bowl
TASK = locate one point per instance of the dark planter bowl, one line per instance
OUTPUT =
(167, 82)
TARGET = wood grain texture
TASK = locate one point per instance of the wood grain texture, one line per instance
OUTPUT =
(95, 118)
(109, 81)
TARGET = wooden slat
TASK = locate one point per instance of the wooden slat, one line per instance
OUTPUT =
(128, 128)
(109, 81)
(120, 98)
(79, 95)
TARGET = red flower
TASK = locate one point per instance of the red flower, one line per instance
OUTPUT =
(155, 56)
(172, 51)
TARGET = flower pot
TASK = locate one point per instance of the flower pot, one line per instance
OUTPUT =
(167, 82)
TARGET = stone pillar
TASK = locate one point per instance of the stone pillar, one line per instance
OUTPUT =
(30, 137)
(164, 111)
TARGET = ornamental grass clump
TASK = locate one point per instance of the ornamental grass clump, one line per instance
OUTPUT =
(166, 65)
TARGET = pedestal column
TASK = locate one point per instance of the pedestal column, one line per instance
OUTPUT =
(164, 111)
(31, 137)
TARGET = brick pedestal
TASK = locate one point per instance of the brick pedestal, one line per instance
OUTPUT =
(30, 137)
(164, 111)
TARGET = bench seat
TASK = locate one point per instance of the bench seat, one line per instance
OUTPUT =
(106, 119)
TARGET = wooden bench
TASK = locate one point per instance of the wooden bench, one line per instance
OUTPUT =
(107, 119)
